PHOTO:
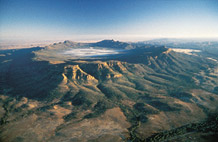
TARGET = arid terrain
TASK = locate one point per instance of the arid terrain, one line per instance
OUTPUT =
(109, 91)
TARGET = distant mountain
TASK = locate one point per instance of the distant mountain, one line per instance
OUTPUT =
(113, 44)
(142, 92)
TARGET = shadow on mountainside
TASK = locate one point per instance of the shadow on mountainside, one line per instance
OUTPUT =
(22, 76)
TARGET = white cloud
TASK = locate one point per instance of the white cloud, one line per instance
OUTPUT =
(87, 52)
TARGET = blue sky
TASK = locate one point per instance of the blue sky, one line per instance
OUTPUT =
(96, 19)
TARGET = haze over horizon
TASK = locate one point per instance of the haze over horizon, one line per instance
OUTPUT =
(114, 19)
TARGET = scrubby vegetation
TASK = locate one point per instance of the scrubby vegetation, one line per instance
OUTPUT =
(210, 125)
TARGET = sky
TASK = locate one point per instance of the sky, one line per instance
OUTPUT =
(107, 19)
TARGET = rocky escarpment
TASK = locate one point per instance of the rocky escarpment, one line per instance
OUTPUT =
(77, 75)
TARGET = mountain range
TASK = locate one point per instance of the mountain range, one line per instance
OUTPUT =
(132, 92)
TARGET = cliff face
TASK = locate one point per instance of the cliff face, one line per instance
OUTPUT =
(76, 74)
